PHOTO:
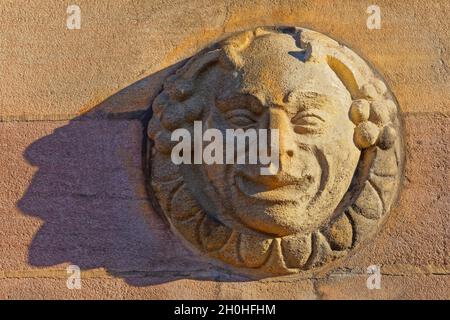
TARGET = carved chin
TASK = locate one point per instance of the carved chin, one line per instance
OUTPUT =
(277, 212)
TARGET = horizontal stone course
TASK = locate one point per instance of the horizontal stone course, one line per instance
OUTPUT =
(392, 287)
(52, 73)
(67, 196)
(71, 184)
(180, 289)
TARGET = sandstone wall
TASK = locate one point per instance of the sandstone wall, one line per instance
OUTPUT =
(71, 185)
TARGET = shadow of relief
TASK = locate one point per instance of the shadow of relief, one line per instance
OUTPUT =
(90, 187)
(89, 191)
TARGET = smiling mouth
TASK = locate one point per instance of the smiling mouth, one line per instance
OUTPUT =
(283, 193)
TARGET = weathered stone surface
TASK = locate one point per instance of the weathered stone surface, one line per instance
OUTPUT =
(412, 244)
(407, 287)
(278, 290)
(94, 286)
(70, 196)
(303, 85)
(81, 68)
(122, 54)
(416, 233)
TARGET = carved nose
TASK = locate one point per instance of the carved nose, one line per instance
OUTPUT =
(280, 121)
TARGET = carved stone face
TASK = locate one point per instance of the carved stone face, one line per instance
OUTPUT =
(309, 105)
(335, 120)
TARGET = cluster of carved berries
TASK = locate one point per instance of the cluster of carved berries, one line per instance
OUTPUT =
(373, 116)
(175, 107)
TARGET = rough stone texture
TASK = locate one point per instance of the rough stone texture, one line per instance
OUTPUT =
(304, 85)
(416, 235)
(68, 196)
(128, 40)
(107, 288)
(392, 287)
(53, 214)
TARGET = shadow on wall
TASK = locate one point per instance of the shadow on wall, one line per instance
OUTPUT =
(89, 191)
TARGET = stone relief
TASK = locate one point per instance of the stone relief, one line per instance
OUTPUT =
(340, 153)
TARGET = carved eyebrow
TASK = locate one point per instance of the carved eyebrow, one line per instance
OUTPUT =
(298, 101)
(299, 93)
(241, 101)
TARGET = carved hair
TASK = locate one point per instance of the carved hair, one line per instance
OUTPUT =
(372, 110)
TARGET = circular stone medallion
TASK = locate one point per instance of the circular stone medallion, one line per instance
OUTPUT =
(340, 151)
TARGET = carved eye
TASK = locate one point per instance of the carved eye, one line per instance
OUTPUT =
(240, 118)
(308, 122)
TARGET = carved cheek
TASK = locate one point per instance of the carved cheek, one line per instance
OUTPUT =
(309, 164)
